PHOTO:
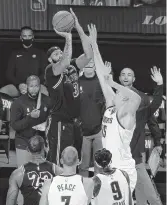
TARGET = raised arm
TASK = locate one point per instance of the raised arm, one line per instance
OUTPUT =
(59, 67)
(15, 182)
(149, 110)
(101, 69)
(84, 59)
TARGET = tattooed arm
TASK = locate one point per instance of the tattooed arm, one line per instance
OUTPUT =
(15, 182)
(60, 66)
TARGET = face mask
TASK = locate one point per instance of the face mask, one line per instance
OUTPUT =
(27, 42)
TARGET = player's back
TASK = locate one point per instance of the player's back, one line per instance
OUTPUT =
(33, 180)
(112, 188)
(67, 189)
(117, 139)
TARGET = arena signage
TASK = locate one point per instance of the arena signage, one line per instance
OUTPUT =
(118, 19)
(149, 20)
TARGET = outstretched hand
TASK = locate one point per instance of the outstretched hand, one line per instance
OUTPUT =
(75, 18)
(63, 34)
(156, 75)
(108, 67)
(92, 33)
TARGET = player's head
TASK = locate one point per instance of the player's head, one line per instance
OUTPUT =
(36, 144)
(33, 85)
(27, 36)
(54, 54)
(103, 158)
(69, 157)
(89, 68)
(127, 77)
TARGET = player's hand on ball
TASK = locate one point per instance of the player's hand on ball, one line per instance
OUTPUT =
(35, 113)
(156, 75)
(76, 25)
(92, 32)
(63, 34)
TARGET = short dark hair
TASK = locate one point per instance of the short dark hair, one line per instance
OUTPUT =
(31, 78)
(36, 144)
(26, 28)
(51, 50)
(103, 157)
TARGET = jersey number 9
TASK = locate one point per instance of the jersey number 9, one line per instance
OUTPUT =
(117, 195)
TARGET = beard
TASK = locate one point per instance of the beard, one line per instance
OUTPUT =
(33, 96)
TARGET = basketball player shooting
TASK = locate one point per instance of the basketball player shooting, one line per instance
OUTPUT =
(62, 82)
(119, 119)
(68, 188)
(111, 186)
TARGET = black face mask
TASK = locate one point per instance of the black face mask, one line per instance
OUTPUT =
(27, 42)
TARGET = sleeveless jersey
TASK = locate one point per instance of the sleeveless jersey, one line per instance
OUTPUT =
(67, 190)
(117, 140)
(33, 180)
(112, 188)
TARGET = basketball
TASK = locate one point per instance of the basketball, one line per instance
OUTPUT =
(63, 21)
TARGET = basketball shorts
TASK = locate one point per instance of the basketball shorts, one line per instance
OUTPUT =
(60, 135)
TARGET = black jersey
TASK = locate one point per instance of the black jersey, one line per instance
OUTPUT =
(33, 180)
(64, 92)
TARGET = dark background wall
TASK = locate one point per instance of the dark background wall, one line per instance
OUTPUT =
(138, 57)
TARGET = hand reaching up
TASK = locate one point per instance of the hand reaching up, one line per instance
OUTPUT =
(156, 75)
(92, 33)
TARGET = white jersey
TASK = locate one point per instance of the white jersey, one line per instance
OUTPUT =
(117, 140)
(112, 188)
(67, 190)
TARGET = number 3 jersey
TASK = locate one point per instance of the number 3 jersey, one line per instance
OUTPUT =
(33, 180)
(64, 92)
(112, 188)
(67, 190)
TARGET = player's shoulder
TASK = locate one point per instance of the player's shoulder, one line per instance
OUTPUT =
(17, 174)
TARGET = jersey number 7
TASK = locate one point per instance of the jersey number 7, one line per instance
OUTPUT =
(66, 199)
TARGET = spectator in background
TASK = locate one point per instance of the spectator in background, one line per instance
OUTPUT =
(144, 188)
(23, 63)
(28, 112)
(91, 112)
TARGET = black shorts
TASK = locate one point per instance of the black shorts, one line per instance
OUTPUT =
(60, 135)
